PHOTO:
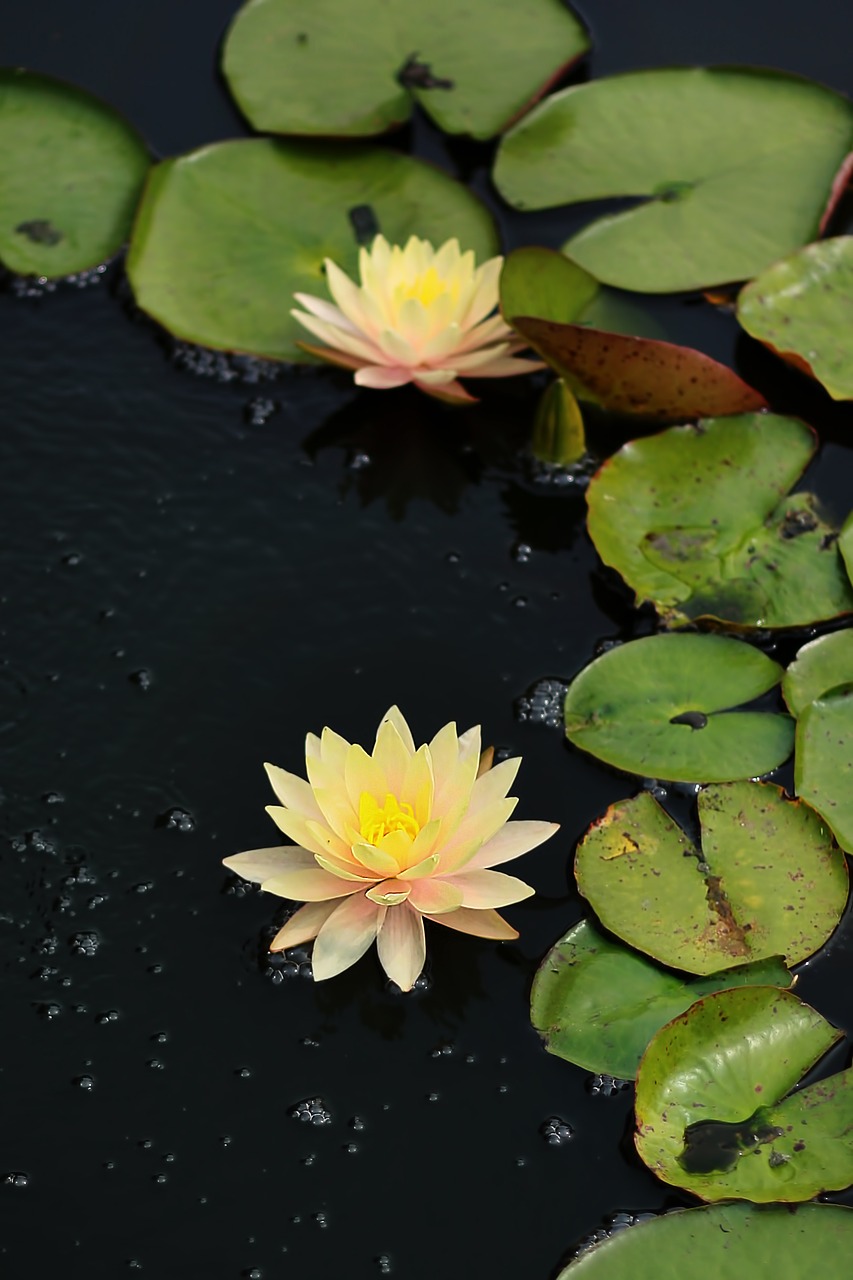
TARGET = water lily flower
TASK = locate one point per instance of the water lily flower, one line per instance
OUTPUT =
(383, 841)
(420, 315)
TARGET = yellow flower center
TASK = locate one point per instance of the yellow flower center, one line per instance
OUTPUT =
(429, 286)
(376, 821)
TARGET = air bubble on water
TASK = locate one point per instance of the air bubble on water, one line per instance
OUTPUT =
(49, 1010)
(383, 1262)
(359, 461)
(605, 1086)
(521, 552)
(313, 1111)
(84, 944)
(258, 411)
(243, 1073)
(556, 1131)
(225, 366)
(109, 1015)
(542, 703)
(357, 1123)
(176, 819)
(34, 842)
(72, 559)
(350, 1148)
(53, 797)
(156, 1064)
(159, 1178)
(442, 1050)
(612, 1225)
(433, 1097)
(85, 1082)
(141, 678)
(321, 1220)
(16, 1178)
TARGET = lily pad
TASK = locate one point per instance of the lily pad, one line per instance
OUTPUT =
(818, 688)
(845, 545)
(767, 880)
(714, 1108)
(71, 171)
(724, 1242)
(802, 308)
(356, 67)
(717, 202)
(227, 234)
(823, 668)
(597, 1004)
(662, 707)
(541, 282)
(696, 520)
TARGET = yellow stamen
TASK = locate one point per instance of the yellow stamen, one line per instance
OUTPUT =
(376, 821)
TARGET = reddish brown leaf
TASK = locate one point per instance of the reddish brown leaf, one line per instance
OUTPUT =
(639, 376)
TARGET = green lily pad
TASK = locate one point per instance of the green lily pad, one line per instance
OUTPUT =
(845, 545)
(355, 67)
(821, 669)
(662, 707)
(227, 234)
(714, 1108)
(597, 1004)
(723, 1242)
(696, 520)
(767, 880)
(541, 282)
(802, 308)
(71, 171)
(716, 202)
(818, 688)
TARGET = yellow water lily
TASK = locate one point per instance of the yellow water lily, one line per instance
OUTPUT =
(419, 315)
(383, 841)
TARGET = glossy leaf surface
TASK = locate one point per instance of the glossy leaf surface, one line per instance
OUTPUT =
(662, 707)
(221, 271)
(598, 1004)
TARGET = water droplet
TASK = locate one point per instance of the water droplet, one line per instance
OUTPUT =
(311, 1111)
(16, 1179)
(522, 552)
(543, 703)
(556, 1131)
(85, 1082)
(84, 944)
(604, 1086)
(176, 819)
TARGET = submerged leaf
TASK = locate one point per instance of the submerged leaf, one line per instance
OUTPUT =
(716, 202)
(766, 881)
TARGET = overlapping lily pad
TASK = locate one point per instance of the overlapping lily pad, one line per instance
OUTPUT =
(714, 1108)
(802, 308)
(766, 881)
(598, 1004)
(71, 171)
(355, 67)
(696, 520)
(721, 1242)
(845, 545)
(663, 706)
(717, 202)
(818, 687)
(225, 235)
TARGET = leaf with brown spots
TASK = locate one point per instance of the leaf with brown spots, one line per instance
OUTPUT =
(638, 376)
(767, 880)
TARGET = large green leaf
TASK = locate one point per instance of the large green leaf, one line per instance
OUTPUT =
(597, 1004)
(70, 175)
(541, 282)
(767, 880)
(712, 1106)
(225, 235)
(662, 707)
(818, 688)
(696, 520)
(717, 201)
(726, 1242)
(802, 308)
(354, 67)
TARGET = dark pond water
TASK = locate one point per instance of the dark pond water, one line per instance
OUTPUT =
(195, 572)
